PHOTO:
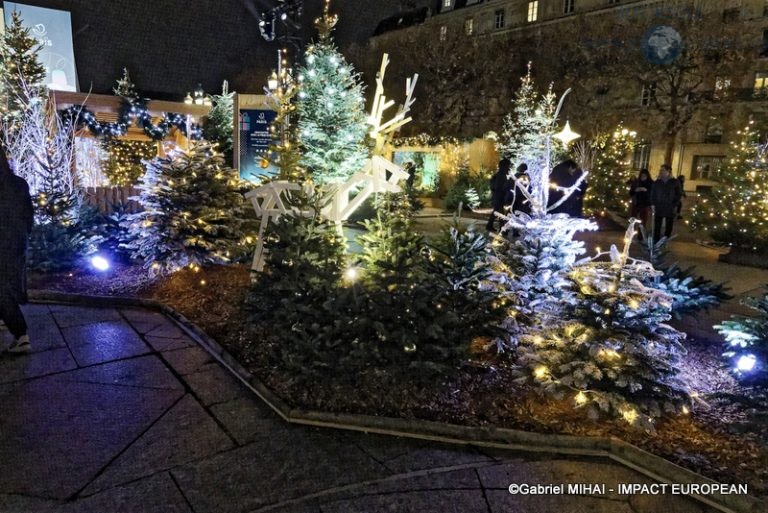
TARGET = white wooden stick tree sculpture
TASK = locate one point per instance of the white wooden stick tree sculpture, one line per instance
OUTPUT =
(378, 174)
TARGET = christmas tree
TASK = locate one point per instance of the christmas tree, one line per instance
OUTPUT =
(332, 124)
(125, 87)
(532, 260)
(610, 173)
(612, 350)
(526, 128)
(21, 74)
(42, 148)
(747, 341)
(690, 292)
(219, 124)
(125, 162)
(285, 150)
(735, 211)
(194, 212)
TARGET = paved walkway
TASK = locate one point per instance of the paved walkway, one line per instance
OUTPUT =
(120, 412)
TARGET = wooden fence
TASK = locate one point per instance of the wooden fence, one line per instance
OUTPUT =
(111, 199)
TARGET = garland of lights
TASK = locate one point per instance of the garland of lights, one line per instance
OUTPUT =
(425, 140)
(131, 110)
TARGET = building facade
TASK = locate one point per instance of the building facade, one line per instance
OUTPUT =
(687, 118)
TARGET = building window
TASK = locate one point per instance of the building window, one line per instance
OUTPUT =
(647, 94)
(761, 83)
(446, 3)
(469, 26)
(730, 15)
(714, 132)
(705, 166)
(722, 85)
(568, 6)
(533, 11)
(498, 19)
(443, 32)
(641, 156)
(764, 44)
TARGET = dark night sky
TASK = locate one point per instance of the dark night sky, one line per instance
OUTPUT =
(171, 45)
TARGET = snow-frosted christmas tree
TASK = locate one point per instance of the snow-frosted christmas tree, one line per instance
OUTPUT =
(332, 125)
(194, 212)
(747, 341)
(614, 352)
(524, 135)
(536, 253)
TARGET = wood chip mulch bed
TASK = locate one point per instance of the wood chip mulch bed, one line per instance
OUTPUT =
(725, 437)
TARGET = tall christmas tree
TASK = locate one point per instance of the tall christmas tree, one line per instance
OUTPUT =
(735, 211)
(525, 129)
(219, 124)
(194, 212)
(538, 250)
(21, 74)
(610, 173)
(332, 120)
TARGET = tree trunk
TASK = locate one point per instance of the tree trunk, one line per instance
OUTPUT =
(669, 148)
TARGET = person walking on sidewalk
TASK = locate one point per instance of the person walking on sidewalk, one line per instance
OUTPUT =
(16, 218)
(666, 193)
(640, 192)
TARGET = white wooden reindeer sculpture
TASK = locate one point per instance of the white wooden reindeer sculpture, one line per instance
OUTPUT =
(377, 175)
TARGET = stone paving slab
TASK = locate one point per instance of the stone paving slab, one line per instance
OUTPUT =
(35, 365)
(289, 464)
(117, 411)
(69, 316)
(155, 494)
(215, 385)
(185, 433)
(103, 342)
(439, 501)
(55, 435)
(143, 371)
(501, 501)
(188, 360)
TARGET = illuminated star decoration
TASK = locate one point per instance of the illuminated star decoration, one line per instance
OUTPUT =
(566, 135)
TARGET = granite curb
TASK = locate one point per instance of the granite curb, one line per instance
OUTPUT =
(615, 449)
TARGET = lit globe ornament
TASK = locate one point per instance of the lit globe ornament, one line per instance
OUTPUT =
(566, 135)
(661, 45)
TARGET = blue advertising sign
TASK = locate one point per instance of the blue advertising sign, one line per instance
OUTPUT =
(255, 140)
(53, 28)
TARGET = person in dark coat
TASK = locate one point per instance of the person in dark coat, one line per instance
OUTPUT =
(640, 192)
(514, 196)
(666, 193)
(500, 184)
(565, 175)
(16, 218)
